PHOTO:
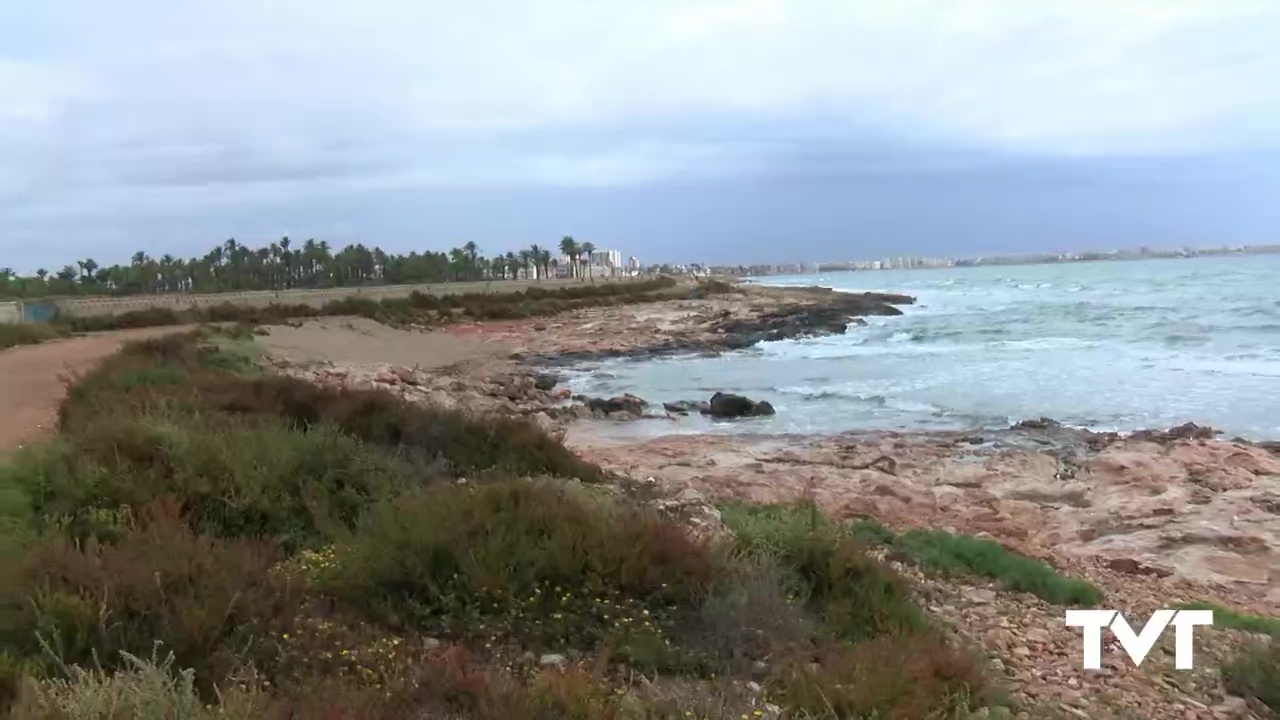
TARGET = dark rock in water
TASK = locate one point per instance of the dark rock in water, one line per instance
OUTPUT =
(625, 405)
(686, 406)
(728, 405)
(1041, 424)
(545, 382)
(1186, 431)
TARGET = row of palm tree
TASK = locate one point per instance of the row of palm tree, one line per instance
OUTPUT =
(232, 266)
(575, 252)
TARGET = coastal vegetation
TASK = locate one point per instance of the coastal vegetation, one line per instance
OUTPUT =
(1253, 671)
(283, 265)
(418, 309)
(203, 539)
(935, 551)
(13, 334)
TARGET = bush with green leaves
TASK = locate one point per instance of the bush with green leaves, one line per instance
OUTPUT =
(518, 560)
(317, 535)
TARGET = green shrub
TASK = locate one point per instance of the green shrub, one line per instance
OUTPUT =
(142, 689)
(149, 317)
(430, 436)
(176, 374)
(753, 612)
(518, 560)
(232, 477)
(15, 334)
(1225, 618)
(1254, 672)
(207, 600)
(948, 553)
(416, 308)
(265, 522)
(919, 676)
(858, 596)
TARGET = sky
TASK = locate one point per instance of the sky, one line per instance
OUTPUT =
(719, 131)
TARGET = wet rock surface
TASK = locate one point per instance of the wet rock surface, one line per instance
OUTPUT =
(728, 405)
(831, 317)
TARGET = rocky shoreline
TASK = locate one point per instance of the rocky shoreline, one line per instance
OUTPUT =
(1152, 517)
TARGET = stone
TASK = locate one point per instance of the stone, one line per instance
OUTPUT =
(544, 422)
(553, 660)
(441, 399)
(405, 375)
(1130, 566)
(728, 405)
(689, 496)
(980, 596)
(625, 405)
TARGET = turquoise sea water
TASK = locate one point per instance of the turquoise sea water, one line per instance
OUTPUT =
(1112, 345)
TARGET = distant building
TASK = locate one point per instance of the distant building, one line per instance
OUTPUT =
(605, 262)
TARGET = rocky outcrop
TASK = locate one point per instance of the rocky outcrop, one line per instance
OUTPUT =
(1200, 510)
(830, 316)
(699, 327)
(1186, 431)
(728, 405)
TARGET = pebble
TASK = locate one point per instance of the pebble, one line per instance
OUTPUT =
(555, 660)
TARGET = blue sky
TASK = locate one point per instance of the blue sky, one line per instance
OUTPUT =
(683, 130)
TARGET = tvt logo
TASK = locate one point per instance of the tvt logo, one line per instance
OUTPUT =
(1137, 645)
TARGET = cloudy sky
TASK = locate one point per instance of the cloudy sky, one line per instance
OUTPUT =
(712, 130)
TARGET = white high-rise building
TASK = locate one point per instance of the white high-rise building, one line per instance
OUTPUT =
(606, 262)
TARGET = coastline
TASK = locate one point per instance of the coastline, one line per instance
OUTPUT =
(1155, 518)
(1188, 476)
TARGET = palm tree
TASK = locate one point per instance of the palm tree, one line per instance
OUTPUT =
(514, 263)
(473, 255)
(587, 249)
(87, 268)
(535, 252)
(570, 249)
(527, 260)
(544, 260)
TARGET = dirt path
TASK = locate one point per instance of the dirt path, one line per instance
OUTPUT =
(31, 380)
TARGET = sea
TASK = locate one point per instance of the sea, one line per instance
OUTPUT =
(1114, 346)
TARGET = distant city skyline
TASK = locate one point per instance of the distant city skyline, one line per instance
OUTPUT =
(911, 263)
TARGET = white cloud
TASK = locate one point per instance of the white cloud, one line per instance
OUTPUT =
(992, 70)
(98, 97)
